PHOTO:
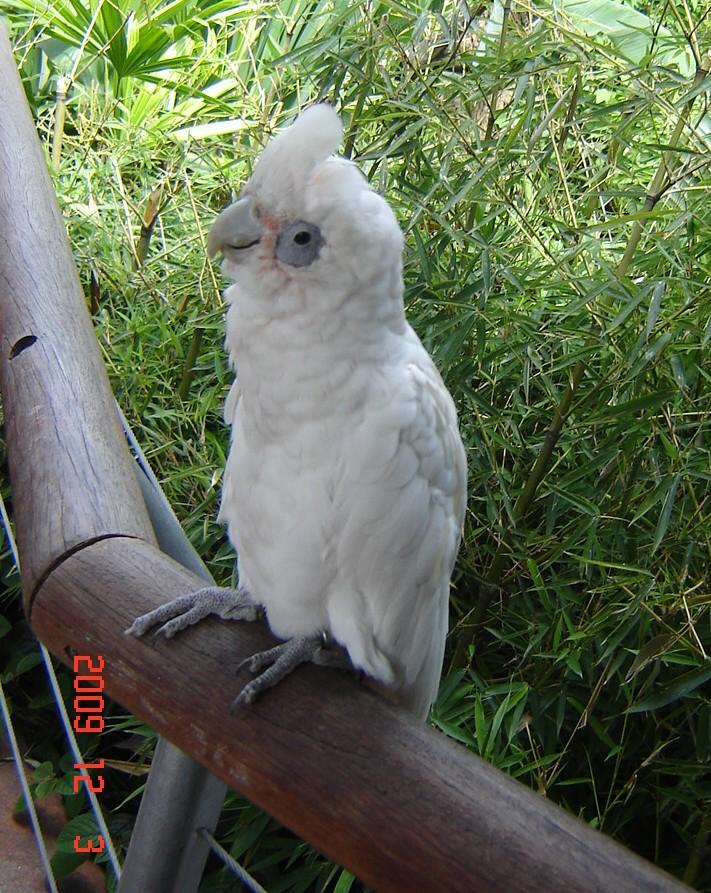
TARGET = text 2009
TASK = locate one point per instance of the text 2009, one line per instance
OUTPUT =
(89, 717)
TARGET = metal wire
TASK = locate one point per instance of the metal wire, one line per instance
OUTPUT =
(68, 730)
(17, 756)
(166, 518)
(249, 882)
(24, 784)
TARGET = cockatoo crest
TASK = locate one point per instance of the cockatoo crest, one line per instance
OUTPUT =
(308, 218)
(282, 173)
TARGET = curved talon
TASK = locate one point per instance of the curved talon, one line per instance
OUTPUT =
(282, 659)
(169, 610)
(169, 629)
(261, 659)
(246, 696)
(332, 656)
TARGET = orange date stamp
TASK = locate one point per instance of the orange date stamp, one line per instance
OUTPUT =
(89, 717)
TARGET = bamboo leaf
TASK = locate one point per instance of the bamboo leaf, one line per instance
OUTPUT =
(683, 687)
(653, 311)
(678, 370)
(666, 513)
(631, 407)
(651, 649)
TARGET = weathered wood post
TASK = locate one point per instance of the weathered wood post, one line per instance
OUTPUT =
(73, 480)
(72, 476)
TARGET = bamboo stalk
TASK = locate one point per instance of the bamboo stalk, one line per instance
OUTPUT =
(189, 367)
(148, 222)
(60, 113)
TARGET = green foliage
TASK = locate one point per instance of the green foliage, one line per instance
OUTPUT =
(550, 167)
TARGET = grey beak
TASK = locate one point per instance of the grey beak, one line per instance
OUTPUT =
(236, 227)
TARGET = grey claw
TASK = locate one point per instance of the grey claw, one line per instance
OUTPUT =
(246, 664)
(168, 630)
(135, 629)
(277, 662)
(185, 611)
(261, 659)
(246, 696)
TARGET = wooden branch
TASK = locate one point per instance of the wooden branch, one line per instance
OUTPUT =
(71, 473)
(400, 805)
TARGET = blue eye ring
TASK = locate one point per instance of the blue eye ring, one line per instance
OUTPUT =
(298, 244)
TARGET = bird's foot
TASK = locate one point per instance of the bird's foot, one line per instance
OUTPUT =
(283, 659)
(182, 612)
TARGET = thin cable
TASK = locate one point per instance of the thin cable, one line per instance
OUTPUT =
(246, 878)
(17, 756)
(29, 802)
(68, 730)
(9, 534)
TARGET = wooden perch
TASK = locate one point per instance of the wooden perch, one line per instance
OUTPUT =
(71, 471)
(397, 803)
(400, 805)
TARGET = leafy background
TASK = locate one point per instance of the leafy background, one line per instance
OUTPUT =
(549, 164)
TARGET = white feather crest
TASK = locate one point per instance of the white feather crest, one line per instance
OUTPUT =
(286, 162)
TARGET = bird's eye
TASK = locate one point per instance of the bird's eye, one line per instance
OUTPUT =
(298, 244)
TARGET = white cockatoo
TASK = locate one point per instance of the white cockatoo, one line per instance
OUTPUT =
(345, 487)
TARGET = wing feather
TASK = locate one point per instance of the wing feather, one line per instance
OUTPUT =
(398, 546)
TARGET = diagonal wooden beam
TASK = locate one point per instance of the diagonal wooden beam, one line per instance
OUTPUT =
(400, 805)
(71, 472)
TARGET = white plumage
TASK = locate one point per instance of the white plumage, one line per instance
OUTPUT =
(345, 488)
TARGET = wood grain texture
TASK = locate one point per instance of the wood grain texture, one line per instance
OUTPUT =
(70, 469)
(400, 805)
